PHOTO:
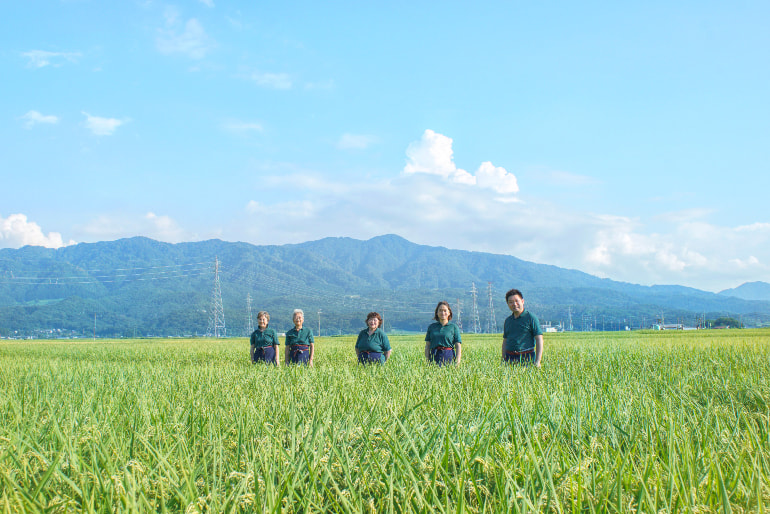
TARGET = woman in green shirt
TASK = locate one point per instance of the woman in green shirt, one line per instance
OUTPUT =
(300, 345)
(264, 341)
(373, 346)
(443, 343)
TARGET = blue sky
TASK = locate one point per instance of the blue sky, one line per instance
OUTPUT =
(627, 140)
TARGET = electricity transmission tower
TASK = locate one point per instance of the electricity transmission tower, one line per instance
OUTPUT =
(249, 322)
(217, 317)
(475, 311)
(491, 321)
(459, 315)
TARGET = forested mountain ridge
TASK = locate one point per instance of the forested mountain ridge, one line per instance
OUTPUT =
(139, 286)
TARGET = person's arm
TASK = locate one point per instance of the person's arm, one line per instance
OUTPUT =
(458, 353)
(427, 351)
(538, 350)
(312, 354)
(502, 350)
(387, 355)
(286, 352)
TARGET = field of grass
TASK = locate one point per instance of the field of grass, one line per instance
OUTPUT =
(619, 422)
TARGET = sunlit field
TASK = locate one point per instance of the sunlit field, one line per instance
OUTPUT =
(639, 421)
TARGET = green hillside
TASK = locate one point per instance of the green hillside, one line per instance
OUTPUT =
(138, 286)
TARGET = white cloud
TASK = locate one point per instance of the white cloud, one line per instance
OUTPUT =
(159, 227)
(272, 80)
(433, 155)
(42, 58)
(492, 177)
(207, 3)
(16, 231)
(102, 126)
(355, 141)
(188, 39)
(32, 118)
(430, 204)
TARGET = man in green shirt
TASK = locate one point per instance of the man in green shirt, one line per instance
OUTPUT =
(522, 335)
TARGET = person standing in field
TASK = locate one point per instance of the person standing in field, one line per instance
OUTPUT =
(300, 345)
(442, 340)
(522, 335)
(373, 346)
(264, 341)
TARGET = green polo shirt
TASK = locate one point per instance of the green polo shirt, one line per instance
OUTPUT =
(377, 342)
(303, 336)
(264, 338)
(519, 333)
(443, 335)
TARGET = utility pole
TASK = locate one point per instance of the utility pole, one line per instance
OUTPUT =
(459, 315)
(217, 318)
(319, 322)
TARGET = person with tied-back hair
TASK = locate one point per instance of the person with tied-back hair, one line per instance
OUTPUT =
(522, 335)
(264, 341)
(300, 346)
(442, 340)
(373, 346)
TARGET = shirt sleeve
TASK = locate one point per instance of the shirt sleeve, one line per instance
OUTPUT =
(536, 330)
(458, 337)
(385, 342)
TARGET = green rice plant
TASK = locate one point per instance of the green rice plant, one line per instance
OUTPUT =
(618, 422)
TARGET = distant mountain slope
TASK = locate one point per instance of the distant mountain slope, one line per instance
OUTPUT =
(750, 291)
(141, 286)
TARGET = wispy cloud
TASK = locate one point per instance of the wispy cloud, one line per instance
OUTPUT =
(42, 58)
(32, 118)
(17, 231)
(242, 127)
(188, 38)
(356, 141)
(271, 80)
(159, 227)
(102, 126)
(207, 3)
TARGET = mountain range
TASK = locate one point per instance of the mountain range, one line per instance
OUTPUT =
(139, 287)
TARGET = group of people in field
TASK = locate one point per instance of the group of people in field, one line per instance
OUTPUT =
(522, 338)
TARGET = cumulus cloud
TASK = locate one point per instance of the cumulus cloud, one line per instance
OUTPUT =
(42, 58)
(355, 141)
(17, 231)
(427, 204)
(32, 118)
(102, 126)
(433, 155)
(188, 38)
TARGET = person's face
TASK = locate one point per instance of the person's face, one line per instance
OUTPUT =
(262, 322)
(298, 319)
(516, 304)
(443, 314)
(373, 323)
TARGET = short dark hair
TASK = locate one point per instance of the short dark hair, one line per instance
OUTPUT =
(435, 313)
(513, 292)
(374, 315)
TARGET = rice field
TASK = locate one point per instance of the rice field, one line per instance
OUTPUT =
(613, 422)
